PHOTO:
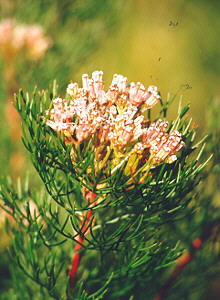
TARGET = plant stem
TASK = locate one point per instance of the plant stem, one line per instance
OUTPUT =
(186, 258)
(90, 196)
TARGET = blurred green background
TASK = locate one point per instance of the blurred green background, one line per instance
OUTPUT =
(172, 44)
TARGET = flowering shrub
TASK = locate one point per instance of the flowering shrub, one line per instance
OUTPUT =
(119, 187)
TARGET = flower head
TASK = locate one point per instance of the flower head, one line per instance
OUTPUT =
(114, 120)
(17, 37)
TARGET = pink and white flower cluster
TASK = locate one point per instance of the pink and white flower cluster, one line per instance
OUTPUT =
(115, 120)
(16, 37)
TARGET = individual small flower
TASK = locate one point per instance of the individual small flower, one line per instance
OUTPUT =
(114, 121)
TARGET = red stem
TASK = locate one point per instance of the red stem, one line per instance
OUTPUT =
(90, 196)
(181, 263)
(186, 258)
